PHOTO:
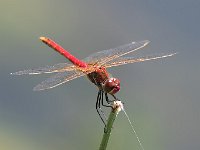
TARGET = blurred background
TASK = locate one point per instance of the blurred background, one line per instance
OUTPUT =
(162, 96)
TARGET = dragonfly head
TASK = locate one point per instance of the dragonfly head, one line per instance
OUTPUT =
(111, 86)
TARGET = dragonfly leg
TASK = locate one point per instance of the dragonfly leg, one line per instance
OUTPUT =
(99, 103)
(107, 99)
(110, 101)
(98, 107)
(115, 98)
(102, 101)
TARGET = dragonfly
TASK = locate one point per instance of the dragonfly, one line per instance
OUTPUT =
(94, 67)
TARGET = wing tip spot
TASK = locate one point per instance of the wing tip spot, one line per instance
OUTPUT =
(16, 73)
(38, 88)
(145, 42)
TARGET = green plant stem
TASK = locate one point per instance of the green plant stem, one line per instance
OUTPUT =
(107, 130)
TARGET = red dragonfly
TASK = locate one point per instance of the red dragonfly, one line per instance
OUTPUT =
(94, 67)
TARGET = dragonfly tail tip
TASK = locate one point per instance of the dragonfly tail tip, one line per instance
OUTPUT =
(42, 38)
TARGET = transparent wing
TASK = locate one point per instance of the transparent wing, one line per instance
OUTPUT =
(58, 79)
(107, 55)
(127, 60)
(61, 67)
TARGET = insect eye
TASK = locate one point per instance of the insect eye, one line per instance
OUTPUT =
(111, 86)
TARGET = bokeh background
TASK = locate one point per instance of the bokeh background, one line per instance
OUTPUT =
(162, 97)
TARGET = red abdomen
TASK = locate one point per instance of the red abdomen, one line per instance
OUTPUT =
(63, 52)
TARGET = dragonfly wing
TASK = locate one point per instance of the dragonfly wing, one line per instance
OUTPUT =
(127, 60)
(107, 55)
(58, 79)
(61, 67)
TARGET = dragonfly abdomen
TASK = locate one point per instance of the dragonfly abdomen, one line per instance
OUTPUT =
(63, 52)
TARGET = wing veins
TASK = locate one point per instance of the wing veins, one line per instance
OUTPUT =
(105, 56)
(61, 67)
(127, 60)
(57, 79)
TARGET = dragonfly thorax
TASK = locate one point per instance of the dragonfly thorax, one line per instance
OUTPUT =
(111, 85)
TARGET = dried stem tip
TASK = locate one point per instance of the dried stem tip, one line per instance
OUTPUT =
(117, 106)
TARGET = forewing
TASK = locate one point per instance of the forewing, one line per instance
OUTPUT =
(61, 67)
(58, 79)
(107, 55)
(127, 60)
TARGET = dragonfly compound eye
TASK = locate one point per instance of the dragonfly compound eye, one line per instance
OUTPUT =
(111, 86)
